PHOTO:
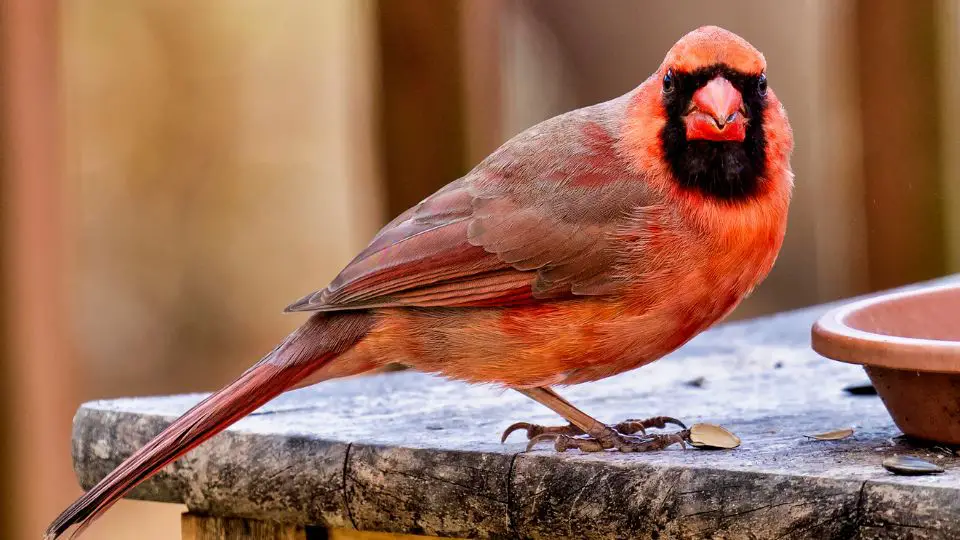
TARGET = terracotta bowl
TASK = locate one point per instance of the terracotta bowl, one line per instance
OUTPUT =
(909, 345)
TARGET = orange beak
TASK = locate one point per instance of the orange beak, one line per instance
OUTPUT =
(716, 113)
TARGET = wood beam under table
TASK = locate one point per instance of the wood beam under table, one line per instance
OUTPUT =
(198, 527)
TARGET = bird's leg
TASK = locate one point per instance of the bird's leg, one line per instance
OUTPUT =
(598, 436)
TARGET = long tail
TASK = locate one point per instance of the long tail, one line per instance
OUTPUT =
(316, 343)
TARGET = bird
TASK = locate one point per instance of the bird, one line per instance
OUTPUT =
(592, 243)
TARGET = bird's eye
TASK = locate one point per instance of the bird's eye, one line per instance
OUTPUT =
(762, 84)
(668, 83)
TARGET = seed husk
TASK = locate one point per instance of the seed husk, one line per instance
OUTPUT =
(834, 435)
(861, 389)
(712, 436)
(910, 466)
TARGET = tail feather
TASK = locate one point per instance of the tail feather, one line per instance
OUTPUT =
(316, 343)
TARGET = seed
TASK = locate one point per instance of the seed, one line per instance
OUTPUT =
(712, 436)
(835, 435)
(910, 466)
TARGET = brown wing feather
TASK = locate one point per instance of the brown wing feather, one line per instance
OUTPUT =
(535, 220)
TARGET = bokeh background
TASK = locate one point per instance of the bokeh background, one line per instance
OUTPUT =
(174, 172)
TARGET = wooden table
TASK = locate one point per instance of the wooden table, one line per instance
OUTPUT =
(410, 453)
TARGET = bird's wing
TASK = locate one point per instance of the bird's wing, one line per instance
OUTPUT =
(536, 220)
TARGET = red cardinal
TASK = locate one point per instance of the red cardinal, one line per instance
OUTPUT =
(591, 244)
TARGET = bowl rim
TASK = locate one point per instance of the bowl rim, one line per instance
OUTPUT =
(833, 338)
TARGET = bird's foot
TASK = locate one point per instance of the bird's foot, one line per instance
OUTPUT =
(620, 436)
(611, 439)
(627, 427)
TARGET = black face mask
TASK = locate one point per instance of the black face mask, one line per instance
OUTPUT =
(725, 170)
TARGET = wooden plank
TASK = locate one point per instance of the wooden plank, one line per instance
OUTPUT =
(900, 118)
(827, 160)
(421, 104)
(39, 380)
(482, 72)
(949, 84)
(200, 527)
(353, 534)
(197, 527)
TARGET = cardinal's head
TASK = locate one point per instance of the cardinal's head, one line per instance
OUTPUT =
(717, 128)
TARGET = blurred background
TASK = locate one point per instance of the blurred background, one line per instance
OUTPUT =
(173, 173)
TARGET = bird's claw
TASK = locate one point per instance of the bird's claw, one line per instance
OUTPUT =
(627, 427)
(535, 430)
(633, 425)
(612, 439)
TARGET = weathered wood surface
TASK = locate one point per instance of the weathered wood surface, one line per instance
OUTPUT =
(410, 453)
(200, 527)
